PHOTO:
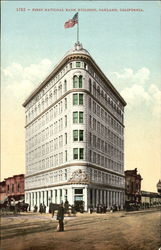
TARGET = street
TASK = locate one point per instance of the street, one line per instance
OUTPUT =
(111, 231)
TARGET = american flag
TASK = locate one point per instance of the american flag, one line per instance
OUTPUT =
(71, 22)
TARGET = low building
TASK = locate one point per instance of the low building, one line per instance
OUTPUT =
(132, 187)
(2, 190)
(150, 199)
(12, 187)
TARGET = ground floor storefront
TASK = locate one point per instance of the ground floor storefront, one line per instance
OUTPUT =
(90, 196)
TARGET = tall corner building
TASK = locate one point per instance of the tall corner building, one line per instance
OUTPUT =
(75, 136)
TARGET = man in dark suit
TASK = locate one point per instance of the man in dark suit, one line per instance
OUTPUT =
(60, 218)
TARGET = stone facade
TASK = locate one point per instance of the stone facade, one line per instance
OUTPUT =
(75, 136)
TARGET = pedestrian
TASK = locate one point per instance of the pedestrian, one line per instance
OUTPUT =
(60, 218)
(35, 208)
(104, 209)
(66, 206)
(41, 208)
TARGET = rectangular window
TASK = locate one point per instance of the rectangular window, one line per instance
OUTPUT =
(75, 99)
(78, 64)
(65, 120)
(65, 138)
(80, 117)
(80, 135)
(75, 135)
(90, 155)
(65, 177)
(66, 155)
(80, 99)
(65, 103)
(75, 153)
(78, 191)
(81, 153)
(75, 117)
(94, 141)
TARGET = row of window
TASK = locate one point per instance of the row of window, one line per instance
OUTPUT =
(105, 147)
(47, 89)
(53, 160)
(105, 132)
(48, 162)
(13, 188)
(52, 97)
(52, 113)
(54, 177)
(57, 126)
(108, 119)
(106, 178)
(104, 98)
(78, 135)
(103, 161)
(64, 175)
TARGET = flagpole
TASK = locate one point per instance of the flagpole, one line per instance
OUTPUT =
(78, 31)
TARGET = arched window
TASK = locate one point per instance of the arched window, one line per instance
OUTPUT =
(55, 94)
(65, 85)
(60, 90)
(75, 82)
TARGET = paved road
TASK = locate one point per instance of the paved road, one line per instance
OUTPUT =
(111, 231)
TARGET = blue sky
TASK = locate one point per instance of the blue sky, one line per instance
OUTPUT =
(126, 46)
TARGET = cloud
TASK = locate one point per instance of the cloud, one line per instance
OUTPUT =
(137, 89)
(19, 81)
(155, 93)
(135, 96)
(128, 76)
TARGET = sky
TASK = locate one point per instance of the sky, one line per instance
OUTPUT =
(126, 46)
